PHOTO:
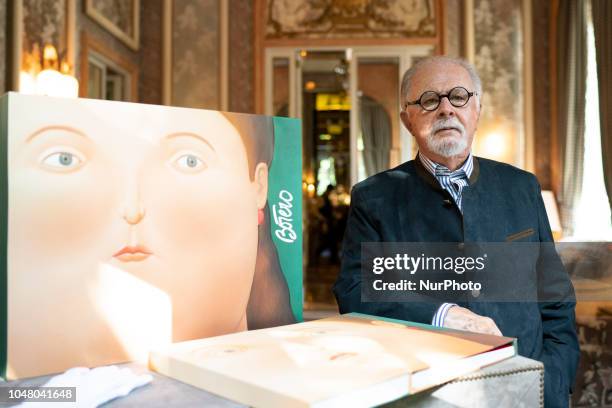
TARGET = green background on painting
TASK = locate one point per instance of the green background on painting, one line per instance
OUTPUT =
(286, 174)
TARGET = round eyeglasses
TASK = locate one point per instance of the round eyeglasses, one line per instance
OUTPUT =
(430, 100)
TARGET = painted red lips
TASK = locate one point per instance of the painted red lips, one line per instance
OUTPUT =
(133, 254)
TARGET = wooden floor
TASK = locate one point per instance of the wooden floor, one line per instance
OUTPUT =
(319, 300)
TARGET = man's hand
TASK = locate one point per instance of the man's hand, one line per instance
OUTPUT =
(461, 318)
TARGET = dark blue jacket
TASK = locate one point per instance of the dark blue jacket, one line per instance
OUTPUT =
(501, 203)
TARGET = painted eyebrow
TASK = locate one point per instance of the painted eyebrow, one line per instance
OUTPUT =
(55, 127)
(192, 135)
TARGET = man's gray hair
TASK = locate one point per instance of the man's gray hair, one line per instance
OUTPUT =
(409, 74)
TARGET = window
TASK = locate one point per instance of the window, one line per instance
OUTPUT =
(592, 221)
(106, 74)
(106, 80)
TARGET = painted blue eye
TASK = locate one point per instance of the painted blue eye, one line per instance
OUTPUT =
(62, 161)
(190, 163)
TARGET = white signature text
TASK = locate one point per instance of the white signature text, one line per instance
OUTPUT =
(283, 217)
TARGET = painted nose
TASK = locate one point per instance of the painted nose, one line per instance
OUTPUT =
(133, 211)
(133, 214)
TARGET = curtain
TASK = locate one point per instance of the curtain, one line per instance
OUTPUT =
(376, 135)
(571, 85)
(602, 26)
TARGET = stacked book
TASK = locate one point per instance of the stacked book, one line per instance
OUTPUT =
(348, 360)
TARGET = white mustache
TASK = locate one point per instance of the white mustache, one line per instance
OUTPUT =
(447, 147)
(447, 123)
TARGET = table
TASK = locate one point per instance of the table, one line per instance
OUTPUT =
(516, 382)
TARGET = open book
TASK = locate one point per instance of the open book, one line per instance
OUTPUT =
(348, 360)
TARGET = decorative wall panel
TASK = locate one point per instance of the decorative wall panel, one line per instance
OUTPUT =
(498, 57)
(119, 13)
(349, 19)
(44, 22)
(120, 17)
(196, 54)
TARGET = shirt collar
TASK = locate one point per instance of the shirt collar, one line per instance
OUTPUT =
(467, 167)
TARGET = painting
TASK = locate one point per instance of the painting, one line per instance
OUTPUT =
(304, 19)
(120, 17)
(130, 226)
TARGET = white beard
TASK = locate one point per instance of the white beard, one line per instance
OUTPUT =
(447, 146)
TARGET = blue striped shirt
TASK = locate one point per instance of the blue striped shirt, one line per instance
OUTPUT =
(454, 182)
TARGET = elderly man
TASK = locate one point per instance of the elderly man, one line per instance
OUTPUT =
(448, 195)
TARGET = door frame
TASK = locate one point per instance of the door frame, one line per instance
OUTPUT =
(404, 54)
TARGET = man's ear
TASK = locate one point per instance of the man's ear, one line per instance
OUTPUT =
(260, 183)
(405, 117)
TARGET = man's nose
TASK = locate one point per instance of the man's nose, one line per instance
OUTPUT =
(445, 108)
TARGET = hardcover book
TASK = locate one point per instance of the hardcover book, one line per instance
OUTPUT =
(348, 360)
(125, 227)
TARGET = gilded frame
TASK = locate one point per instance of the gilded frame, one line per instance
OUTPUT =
(132, 39)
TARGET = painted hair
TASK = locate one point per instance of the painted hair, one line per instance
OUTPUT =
(257, 134)
(269, 302)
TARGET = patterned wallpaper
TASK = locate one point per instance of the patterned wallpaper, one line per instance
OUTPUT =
(44, 22)
(195, 54)
(241, 70)
(3, 47)
(349, 19)
(195, 77)
(498, 59)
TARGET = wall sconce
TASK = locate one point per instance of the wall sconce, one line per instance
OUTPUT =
(494, 145)
(308, 186)
(52, 78)
(311, 190)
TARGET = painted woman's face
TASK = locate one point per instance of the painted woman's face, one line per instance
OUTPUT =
(134, 220)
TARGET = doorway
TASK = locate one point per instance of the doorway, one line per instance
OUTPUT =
(348, 100)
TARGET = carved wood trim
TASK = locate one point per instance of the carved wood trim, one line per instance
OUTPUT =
(260, 44)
